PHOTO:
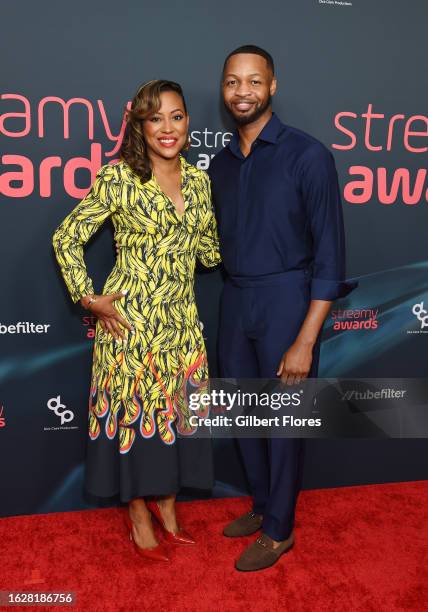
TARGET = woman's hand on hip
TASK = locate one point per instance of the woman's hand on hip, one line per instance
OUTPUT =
(103, 308)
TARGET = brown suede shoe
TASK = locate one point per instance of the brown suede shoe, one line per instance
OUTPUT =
(261, 553)
(245, 525)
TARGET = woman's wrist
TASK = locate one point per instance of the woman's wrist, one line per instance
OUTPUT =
(87, 300)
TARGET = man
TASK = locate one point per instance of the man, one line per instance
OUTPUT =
(280, 220)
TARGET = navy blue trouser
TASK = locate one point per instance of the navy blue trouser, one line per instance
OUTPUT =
(260, 318)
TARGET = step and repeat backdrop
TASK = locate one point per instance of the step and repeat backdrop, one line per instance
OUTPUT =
(351, 73)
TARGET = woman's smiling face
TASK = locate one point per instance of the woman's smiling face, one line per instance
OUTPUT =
(165, 131)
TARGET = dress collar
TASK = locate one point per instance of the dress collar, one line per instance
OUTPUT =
(185, 174)
(151, 182)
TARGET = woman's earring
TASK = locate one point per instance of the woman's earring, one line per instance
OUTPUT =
(188, 143)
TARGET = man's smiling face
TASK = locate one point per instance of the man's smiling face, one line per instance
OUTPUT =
(248, 84)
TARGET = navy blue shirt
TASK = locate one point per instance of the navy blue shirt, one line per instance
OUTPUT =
(279, 209)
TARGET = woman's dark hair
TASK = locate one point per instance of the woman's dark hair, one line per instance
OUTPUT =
(145, 103)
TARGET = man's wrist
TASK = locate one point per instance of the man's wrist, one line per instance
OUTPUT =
(307, 342)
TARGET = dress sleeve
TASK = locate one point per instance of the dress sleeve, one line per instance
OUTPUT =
(76, 229)
(321, 194)
(208, 251)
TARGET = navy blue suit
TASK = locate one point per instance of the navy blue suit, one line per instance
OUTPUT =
(281, 231)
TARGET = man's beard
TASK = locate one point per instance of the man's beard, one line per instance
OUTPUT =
(245, 120)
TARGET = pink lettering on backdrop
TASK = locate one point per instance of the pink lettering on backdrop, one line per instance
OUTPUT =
(341, 128)
(25, 176)
(110, 136)
(388, 185)
(45, 174)
(408, 132)
(20, 182)
(369, 116)
(360, 131)
(393, 119)
(401, 177)
(360, 191)
(74, 164)
(364, 185)
(26, 115)
(66, 108)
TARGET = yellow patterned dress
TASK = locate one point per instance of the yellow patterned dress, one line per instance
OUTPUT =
(141, 441)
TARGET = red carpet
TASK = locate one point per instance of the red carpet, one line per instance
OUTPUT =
(357, 549)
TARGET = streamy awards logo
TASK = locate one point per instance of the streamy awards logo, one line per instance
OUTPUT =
(20, 119)
(355, 319)
(380, 135)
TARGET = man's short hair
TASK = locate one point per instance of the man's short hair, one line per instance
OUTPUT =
(256, 51)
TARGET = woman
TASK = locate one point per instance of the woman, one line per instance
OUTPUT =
(148, 344)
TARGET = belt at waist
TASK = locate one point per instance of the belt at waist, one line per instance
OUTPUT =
(264, 280)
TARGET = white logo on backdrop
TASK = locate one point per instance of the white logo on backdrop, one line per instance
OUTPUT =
(24, 327)
(368, 394)
(207, 139)
(60, 409)
(420, 312)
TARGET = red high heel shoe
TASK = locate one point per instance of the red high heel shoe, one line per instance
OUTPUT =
(181, 537)
(156, 553)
